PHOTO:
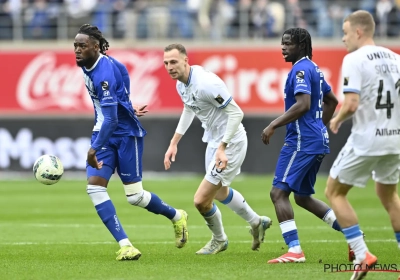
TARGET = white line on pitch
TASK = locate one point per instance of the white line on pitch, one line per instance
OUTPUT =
(196, 242)
(138, 226)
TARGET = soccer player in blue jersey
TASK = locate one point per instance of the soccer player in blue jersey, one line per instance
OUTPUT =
(309, 106)
(117, 142)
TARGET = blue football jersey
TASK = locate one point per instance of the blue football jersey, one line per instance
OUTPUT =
(123, 71)
(308, 133)
(106, 87)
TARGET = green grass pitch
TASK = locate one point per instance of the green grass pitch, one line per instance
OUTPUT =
(53, 232)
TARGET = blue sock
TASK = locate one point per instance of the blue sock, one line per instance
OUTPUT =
(397, 234)
(291, 238)
(157, 206)
(289, 233)
(352, 232)
(336, 226)
(108, 215)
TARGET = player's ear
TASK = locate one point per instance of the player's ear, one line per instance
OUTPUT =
(358, 32)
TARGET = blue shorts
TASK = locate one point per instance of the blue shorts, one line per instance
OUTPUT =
(123, 153)
(297, 171)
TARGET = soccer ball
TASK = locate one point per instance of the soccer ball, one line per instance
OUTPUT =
(48, 169)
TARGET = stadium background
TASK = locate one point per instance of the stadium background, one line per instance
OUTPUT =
(53, 232)
(45, 108)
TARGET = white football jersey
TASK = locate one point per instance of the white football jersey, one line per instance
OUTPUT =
(206, 95)
(373, 72)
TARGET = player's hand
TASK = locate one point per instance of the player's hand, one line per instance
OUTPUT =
(221, 161)
(92, 159)
(140, 111)
(334, 125)
(267, 134)
(170, 156)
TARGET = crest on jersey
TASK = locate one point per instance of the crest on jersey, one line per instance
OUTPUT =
(104, 85)
(346, 81)
(300, 74)
(219, 99)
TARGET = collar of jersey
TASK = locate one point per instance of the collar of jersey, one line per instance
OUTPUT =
(304, 57)
(94, 65)
(189, 78)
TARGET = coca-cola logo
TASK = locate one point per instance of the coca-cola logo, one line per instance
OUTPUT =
(45, 83)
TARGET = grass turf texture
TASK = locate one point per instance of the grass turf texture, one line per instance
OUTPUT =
(53, 232)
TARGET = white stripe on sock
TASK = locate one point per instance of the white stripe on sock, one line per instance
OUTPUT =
(287, 226)
(97, 194)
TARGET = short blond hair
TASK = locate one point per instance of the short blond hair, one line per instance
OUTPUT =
(362, 19)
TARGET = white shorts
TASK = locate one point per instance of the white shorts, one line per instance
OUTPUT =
(354, 170)
(236, 153)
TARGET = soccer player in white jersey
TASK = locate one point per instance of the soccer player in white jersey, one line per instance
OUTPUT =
(206, 96)
(371, 84)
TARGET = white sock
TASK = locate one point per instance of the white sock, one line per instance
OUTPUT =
(287, 226)
(329, 217)
(214, 222)
(236, 202)
(125, 242)
(359, 247)
(177, 216)
(97, 194)
(398, 244)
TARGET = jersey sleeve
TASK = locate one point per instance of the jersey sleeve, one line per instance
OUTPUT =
(105, 86)
(124, 72)
(351, 75)
(301, 80)
(325, 87)
(216, 93)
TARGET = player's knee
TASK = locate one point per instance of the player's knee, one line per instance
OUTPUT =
(273, 195)
(135, 193)
(136, 198)
(276, 194)
(335, 191)
(301, 200)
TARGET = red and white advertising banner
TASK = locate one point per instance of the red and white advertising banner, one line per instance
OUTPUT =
(50, 83)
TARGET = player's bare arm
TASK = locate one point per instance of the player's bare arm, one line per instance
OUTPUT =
(349, 107)
(172, 151)
(235, 117)
(330, 104)
(185, 121)
(302, 105)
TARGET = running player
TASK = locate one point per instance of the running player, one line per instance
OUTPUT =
(206, 96)
(371, 84)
